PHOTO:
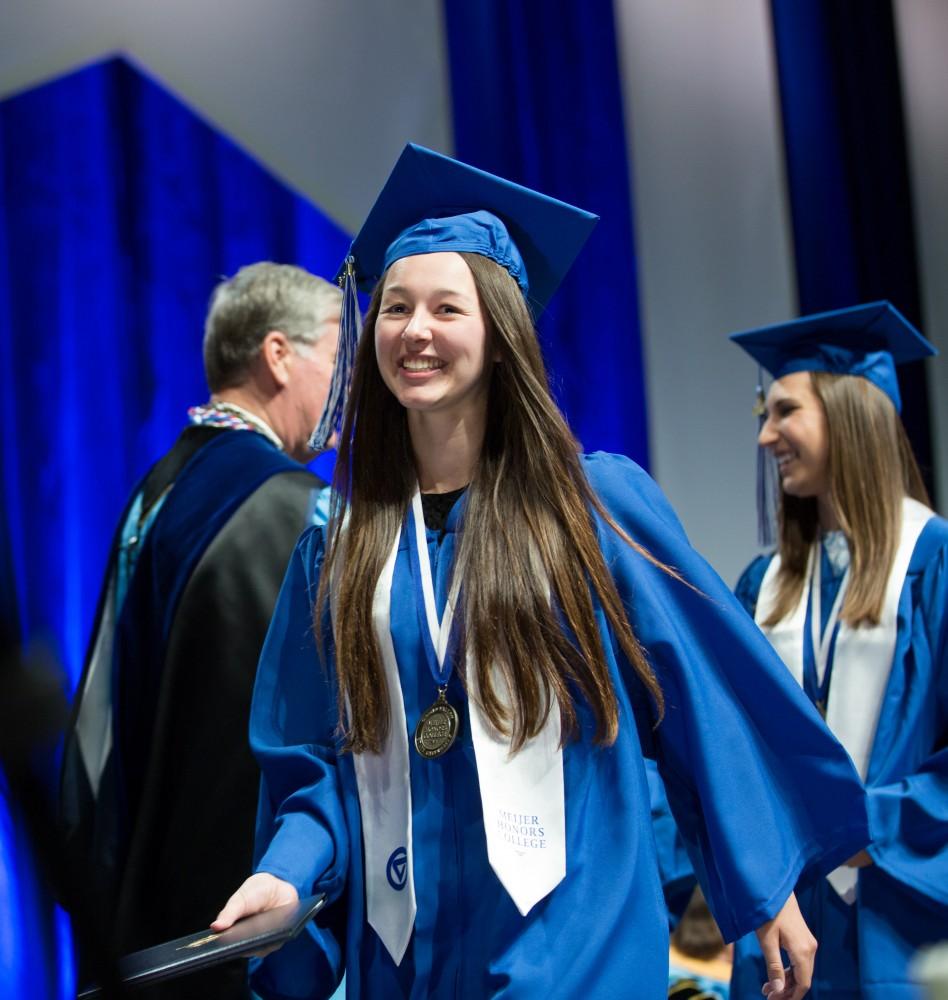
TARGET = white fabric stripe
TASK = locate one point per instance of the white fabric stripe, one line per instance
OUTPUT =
(863, 659)
(712, 217)
(523, 801)
(385, 793)
(921, 33)
(94, 723)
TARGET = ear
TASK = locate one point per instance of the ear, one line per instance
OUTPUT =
(275, 353)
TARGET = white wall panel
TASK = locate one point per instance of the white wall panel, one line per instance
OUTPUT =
(713, 246)
(324, 92)
(922, 27)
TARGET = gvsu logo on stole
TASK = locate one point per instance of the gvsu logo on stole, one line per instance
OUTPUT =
(397, 869)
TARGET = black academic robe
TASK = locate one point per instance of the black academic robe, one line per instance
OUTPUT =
(170, 835)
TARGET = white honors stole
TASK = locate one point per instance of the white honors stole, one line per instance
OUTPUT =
(384, 788)
(522, 794)
(523, 802)
(862, 660)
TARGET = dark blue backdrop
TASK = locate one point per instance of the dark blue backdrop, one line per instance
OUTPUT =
(537, 98)
(119, 211)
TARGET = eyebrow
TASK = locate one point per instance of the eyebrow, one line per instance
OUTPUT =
(402, 290)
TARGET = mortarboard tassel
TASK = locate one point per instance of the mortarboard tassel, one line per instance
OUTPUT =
(350, 328)
(766, 475)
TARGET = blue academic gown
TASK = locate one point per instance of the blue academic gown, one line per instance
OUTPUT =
(760, 790)
(902, 899)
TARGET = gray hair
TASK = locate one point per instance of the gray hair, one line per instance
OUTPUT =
(257, 299)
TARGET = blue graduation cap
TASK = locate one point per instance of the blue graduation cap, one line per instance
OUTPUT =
(432, 203)
(866, 340)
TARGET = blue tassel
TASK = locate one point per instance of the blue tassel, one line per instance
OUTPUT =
(766, 475)
(350, 329)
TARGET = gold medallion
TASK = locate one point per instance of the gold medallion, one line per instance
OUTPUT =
(437, 728)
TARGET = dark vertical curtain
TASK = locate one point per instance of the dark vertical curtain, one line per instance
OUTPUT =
(119, 211)
(536, 95)
(847, 170)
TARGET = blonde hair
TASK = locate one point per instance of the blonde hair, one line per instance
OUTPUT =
(871, 468)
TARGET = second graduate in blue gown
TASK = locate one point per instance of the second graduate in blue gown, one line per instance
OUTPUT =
(853, 516)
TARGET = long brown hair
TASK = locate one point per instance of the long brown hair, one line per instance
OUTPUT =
(870, 469)
(527, 526)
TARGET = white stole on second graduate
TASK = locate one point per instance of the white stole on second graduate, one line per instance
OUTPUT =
(862, 660)
(522, 793)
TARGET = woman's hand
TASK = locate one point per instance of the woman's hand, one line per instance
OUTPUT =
(260, 892)
(788, 931)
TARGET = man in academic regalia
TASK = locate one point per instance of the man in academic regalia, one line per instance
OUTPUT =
(159, 788)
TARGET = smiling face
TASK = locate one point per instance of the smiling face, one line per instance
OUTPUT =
(796, 434)
(431, 336)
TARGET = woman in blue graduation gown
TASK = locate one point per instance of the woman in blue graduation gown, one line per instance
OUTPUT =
(472, 797)
(855, 600)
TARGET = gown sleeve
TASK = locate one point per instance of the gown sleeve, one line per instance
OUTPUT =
(761, 791)
(674, 867)
(301, 825)
(909, 817)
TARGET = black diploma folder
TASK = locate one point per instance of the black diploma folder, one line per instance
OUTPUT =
(206, 948)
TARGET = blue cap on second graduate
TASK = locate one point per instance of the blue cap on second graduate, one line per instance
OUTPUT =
(867, 340)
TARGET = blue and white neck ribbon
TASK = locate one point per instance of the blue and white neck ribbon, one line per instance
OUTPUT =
(862, 657)
(820, 642)
(435, 634)
(522, 794)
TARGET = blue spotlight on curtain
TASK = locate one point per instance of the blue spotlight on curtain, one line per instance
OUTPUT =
(119, 211)
(537, 98)
(847, 170)
(122, 209)
(27, 927)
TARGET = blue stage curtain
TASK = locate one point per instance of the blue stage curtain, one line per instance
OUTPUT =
(847, 170)
(537, 98)
(36, 932)
(120, 209)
